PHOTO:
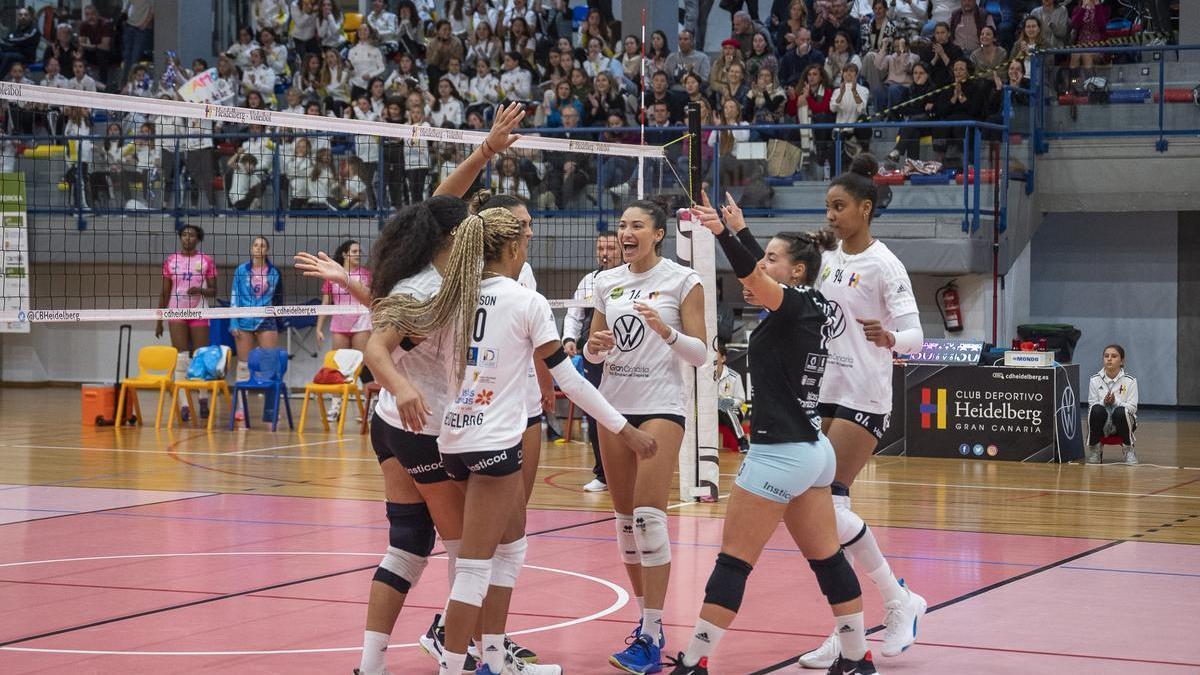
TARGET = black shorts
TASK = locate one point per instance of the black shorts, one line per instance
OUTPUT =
(536, 419)
(638, 420)
(496, 463)
(875, 423)
(417, 453)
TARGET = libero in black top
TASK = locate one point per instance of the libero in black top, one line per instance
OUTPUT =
(787, 360)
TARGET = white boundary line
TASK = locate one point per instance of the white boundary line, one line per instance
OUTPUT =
(621, 600)
(32, 93)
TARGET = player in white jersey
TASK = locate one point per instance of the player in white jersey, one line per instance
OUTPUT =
(875, 315)
(539, 397)
(492, 327)
(648, 320)
(412, 248)
(576, 327)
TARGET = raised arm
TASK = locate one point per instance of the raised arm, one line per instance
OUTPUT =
(500, 139)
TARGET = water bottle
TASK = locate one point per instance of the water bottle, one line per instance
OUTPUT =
(826, 172)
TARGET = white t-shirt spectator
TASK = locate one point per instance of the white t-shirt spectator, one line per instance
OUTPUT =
(86, 83)
(367, 62)
(269, 14)
(516, 84)
(386, 25)
(329, 30)
(483, 89)
(449, 113)
(845, 107)
(260, 78)
(304, 24)
(240, 53)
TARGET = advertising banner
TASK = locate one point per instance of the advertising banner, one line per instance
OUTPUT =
(14, 249)
(981, 413)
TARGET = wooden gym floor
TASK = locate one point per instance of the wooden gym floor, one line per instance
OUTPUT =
(137, 550)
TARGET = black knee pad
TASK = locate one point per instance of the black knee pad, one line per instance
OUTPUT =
(727, 584)
(839, 490)
(410, 528)
(836, 578)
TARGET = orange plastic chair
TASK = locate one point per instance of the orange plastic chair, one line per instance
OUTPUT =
(345, 390)
(215, 389)
(156, 370)
(372, 389)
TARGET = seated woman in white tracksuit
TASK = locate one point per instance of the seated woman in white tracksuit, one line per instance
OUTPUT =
(1112, 406)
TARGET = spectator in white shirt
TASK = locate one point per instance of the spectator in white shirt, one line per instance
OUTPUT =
(240, 51)
(849, 102)
(416, 157)
(386, 27)
(1113, 403)
(366, 60)
(304, 26)
(335, 80)
(54, 76)
(81, 81)
(329, 25)
(271, 14)
(484, 87)
(516, 82)
(274, 54)
(456, 76)
(449, 108)
(259, 76)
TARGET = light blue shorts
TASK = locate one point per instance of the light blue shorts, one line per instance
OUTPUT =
(781, 472)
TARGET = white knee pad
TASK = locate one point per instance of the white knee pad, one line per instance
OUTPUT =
(507, 563)
(452, 546)
(471, 581)
(404, 564)
(650, 530)
(849, 525)
(626, 542)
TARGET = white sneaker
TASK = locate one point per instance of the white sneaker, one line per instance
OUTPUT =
(335, 409)
(596, 485)
(822, 657)
(1095, 455)
(900, 620)
(513, 666)
(1130, 457)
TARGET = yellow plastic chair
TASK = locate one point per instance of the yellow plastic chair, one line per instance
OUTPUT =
(156, 370)
(345, 390)
(215, 389)
(350, 23)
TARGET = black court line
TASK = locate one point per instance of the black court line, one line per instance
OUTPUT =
(791, 662)
(252, 591)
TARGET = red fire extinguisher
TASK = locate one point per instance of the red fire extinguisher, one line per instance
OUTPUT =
(948, 306)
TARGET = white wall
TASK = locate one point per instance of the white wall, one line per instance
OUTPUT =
(1114, 277)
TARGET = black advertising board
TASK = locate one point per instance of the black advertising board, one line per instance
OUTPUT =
(980, 413)
(1068, 421)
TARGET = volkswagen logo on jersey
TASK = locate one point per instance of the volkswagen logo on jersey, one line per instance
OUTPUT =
(628, 332)
(837, 321)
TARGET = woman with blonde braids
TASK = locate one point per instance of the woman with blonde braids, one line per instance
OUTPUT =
(491, 327)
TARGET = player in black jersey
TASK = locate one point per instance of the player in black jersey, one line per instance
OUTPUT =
(790, 466)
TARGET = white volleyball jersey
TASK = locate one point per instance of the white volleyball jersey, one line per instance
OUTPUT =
(870, 285)
(533, 398)
(642, 375)
(489, 410)
(427, 365)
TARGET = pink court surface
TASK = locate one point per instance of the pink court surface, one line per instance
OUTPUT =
(139, 551)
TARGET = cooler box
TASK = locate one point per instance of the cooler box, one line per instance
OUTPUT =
(100, 403)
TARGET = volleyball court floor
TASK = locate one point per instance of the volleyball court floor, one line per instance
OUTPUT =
(152, 551)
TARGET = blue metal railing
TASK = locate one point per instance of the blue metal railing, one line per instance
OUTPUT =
(1044, 96)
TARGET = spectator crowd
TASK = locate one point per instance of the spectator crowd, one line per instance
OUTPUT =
(449, 64)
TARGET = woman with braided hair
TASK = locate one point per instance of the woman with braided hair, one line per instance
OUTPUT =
(490, 327)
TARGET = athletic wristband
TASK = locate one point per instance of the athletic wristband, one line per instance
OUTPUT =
(746, 237)
(584, 395)
(739, 258)
(592, 357)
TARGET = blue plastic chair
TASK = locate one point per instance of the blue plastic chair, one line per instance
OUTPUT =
(267, 368)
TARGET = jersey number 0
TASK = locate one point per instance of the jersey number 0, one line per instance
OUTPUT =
(480, 324)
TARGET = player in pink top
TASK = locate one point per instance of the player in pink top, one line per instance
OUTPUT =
(189, 280)
(350, 331)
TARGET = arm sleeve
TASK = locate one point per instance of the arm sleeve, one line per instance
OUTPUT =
(585, 396)
(742, 261)
(748, 242)
(692, 349)
(908, 333)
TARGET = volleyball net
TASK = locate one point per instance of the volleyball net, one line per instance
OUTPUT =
(96, 187)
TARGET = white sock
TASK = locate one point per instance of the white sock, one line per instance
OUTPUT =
(867, 554)
(852, 636)
(641, 601)
(652, 622)
(452, 664)
(374, 650)
(493, 652)
(704, 641)
(888, 586)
